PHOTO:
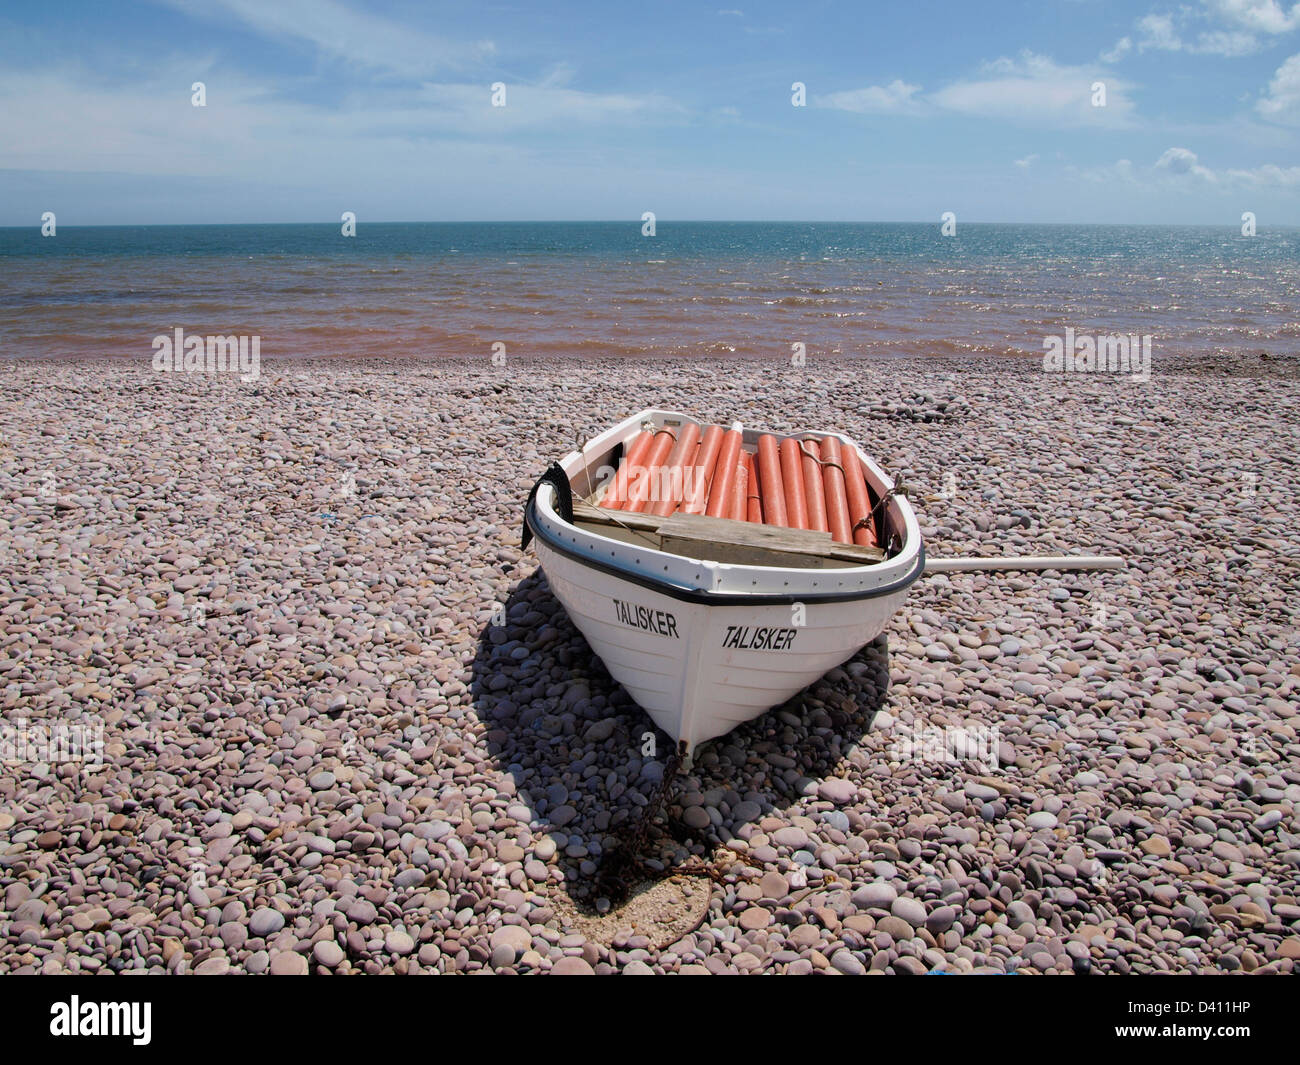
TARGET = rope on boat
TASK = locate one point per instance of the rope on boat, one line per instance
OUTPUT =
(897, 489)
(612, 515)
(820, 461)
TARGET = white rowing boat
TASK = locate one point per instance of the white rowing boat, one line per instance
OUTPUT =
(708, 622)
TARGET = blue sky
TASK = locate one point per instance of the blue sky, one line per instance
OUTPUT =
(682, 109)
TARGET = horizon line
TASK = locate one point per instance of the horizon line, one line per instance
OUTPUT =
(658, 221)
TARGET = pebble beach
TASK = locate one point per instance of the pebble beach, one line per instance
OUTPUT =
(346, 727)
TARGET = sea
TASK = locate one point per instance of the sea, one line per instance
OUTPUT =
(606, 289)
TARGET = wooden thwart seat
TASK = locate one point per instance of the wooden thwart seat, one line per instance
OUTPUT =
(726, 540)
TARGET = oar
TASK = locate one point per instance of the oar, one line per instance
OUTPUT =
(1024, 562)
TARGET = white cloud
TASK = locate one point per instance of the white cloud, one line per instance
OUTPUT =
(68, 120)
(1282, 104)
(1157, 31)
(1181, 167)
(561, 74)
(1228, 43)
(338, 31)
(1184, 161)
(895, 98)
(1030, 88)
(1033, 88)
(1122, 48)
(1228, 28)
(1027, 161)
(1268, 174)
(465, 108)
(1260, 16)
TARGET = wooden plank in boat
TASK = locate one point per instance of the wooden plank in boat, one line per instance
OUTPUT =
(738, 542)
(643, 522)
(684, 530)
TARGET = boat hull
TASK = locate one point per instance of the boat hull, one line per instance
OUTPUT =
(701, 669)
(704, 645)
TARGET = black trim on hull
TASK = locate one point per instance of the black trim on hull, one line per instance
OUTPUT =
(710, 598)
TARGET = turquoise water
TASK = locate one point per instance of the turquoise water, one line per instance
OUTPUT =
(864, 242)
(603, 288)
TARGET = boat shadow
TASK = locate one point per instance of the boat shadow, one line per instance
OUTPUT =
(584, 759)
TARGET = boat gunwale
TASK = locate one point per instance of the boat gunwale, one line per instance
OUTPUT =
(714, 596)
(724, 579)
